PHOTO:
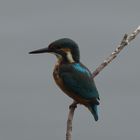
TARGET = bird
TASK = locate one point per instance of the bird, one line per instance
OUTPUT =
(72, 77)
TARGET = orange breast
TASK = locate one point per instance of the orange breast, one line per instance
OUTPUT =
(60, 83)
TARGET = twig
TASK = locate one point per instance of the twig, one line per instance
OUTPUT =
(72, 108)
(125, 41)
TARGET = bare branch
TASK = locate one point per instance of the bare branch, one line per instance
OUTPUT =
(72, 108)
(125, 41)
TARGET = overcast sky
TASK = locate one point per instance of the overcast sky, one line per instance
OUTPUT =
(32, 107)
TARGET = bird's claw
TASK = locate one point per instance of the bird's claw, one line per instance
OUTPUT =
(73, 105)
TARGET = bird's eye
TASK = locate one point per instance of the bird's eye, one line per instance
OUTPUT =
(58, 47)
(53, 47)
(65, 49)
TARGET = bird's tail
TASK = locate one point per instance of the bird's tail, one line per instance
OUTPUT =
(94, 111)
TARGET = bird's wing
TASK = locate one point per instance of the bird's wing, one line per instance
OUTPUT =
(78, 80)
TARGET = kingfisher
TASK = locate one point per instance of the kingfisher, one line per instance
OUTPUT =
(72, 77)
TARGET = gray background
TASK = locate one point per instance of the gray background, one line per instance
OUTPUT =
(31, 106)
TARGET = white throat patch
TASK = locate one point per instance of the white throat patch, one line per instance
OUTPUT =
(69, 57)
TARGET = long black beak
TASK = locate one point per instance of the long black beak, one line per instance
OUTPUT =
(44, 50)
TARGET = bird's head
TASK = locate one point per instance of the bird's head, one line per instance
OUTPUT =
(66, 50)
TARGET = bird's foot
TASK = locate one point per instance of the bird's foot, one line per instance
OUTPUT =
(73, 105)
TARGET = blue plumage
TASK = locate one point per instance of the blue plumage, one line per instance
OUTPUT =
(82, 69)
(72, 76)
(94, 111)
(78, 79)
